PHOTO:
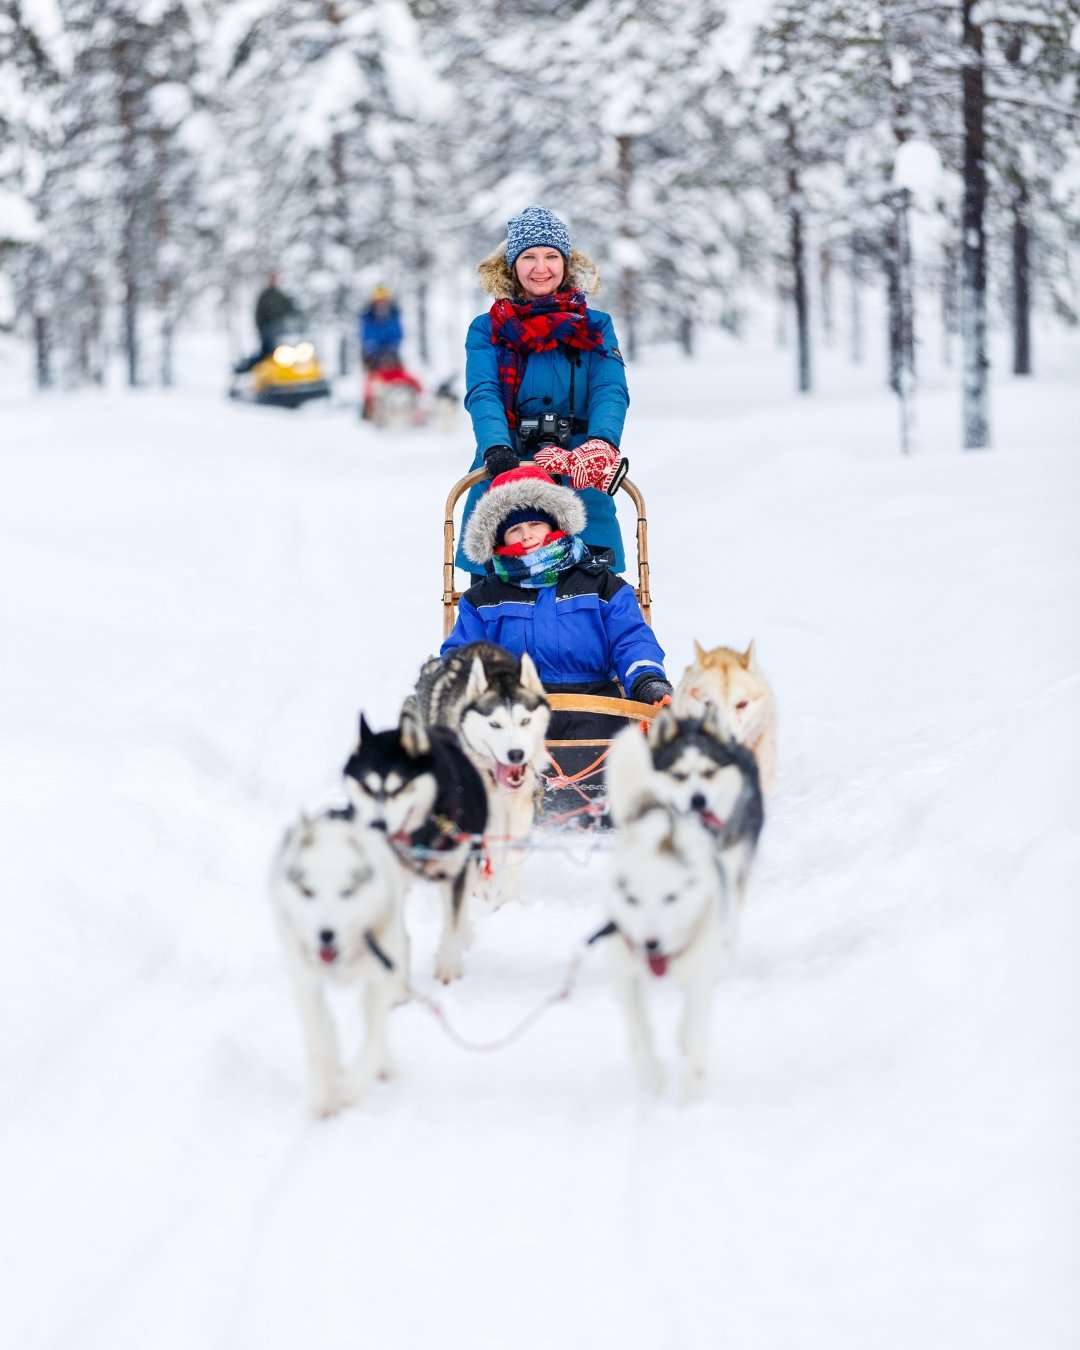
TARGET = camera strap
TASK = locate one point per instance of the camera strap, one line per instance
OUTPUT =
(573, 355)
(578, 425)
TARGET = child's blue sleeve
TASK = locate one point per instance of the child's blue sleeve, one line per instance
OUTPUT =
(469, 628)
(631, 642)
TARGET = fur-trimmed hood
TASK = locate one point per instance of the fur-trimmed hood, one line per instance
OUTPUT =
(523, 486)
(497, 278)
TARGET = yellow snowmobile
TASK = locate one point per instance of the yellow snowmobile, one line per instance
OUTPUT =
(287, 376)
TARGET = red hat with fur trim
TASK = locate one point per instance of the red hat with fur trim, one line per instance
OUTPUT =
(518, 493)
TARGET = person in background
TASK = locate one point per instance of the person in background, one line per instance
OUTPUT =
(379, 330)
(545, 380)
(274, 312)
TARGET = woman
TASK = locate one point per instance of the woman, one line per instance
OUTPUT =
(542, 370)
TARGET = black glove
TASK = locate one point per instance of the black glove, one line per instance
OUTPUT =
(499, 459)
(651, 689)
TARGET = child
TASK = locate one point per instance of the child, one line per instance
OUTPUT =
(546, 594)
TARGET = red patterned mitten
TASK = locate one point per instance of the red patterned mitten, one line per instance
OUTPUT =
(554, 459)
(597, 464)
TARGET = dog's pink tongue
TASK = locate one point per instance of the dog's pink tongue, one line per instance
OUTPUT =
(328, 954)
(510, 775)
(657, 964)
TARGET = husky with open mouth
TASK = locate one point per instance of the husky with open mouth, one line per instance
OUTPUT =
(418, 785)
(337, 894)
(678, 878)
(700, 771)
(496, 706)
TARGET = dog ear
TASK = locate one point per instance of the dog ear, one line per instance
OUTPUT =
(749, 657)
(701, 656)
(305, 832)
(713, 722)
(663, 728)
(365, 730)
(530, 676)
(478, 681)
(628, 777)
(413, 735)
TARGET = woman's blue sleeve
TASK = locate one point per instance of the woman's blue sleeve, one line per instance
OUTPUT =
(483, 392)
(609, 397)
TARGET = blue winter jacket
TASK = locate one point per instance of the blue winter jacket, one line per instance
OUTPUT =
(600, 401)
(379, 333)
(586, 630)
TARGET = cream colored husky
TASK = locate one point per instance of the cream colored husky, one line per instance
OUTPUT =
(733, 683)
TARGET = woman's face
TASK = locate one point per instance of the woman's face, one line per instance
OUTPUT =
(540, 271)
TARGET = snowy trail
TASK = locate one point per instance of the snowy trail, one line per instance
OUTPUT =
(200, 600)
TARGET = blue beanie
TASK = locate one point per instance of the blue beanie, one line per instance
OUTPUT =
(536, 227)
(520, 515)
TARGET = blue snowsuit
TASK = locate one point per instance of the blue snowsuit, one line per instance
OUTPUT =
(585, 631)
(600, 403)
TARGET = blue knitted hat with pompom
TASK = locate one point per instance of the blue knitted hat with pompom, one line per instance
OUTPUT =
(536, 227)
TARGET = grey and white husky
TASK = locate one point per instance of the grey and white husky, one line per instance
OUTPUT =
(701, 771)
(419, 786)
(495, 704)
(687, 806)
(337, 895)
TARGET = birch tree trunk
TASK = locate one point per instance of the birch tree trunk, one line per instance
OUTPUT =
(1021, 276)
(973, 237)
(798, 262)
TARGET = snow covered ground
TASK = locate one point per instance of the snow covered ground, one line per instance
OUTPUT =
(197, 597)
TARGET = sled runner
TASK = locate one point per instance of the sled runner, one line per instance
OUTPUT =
(574, 793)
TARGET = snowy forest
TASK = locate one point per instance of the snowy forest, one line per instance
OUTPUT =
(157, 157)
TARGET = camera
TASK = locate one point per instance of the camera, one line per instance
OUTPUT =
(547, 429)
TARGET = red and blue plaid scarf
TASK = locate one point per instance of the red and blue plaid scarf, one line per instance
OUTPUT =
(520, 327)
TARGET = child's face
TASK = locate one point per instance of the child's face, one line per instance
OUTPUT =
(529, 534)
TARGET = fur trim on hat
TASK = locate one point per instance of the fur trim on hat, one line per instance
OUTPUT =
(524, 486)
(497, 276)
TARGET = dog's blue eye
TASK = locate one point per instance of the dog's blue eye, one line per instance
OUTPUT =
(670, 899)
(525, 721)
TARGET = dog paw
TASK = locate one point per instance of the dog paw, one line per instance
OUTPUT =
(325, 1102)
(448, 967)
(652, 1075)
(692, 1087)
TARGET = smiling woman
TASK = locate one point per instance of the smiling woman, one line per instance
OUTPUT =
(545, 377)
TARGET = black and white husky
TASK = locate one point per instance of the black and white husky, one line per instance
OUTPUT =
(701, 771)
(496, 706)
(687, 805)
(337, 895)
(419, 786)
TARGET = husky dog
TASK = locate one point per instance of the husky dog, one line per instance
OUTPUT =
(496, 706)
(733, 683)
(700, 771)
(670, 913)
(688, 810)
(337, 895)
(419, 786)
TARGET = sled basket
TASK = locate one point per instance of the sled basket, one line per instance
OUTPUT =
(594, 751)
